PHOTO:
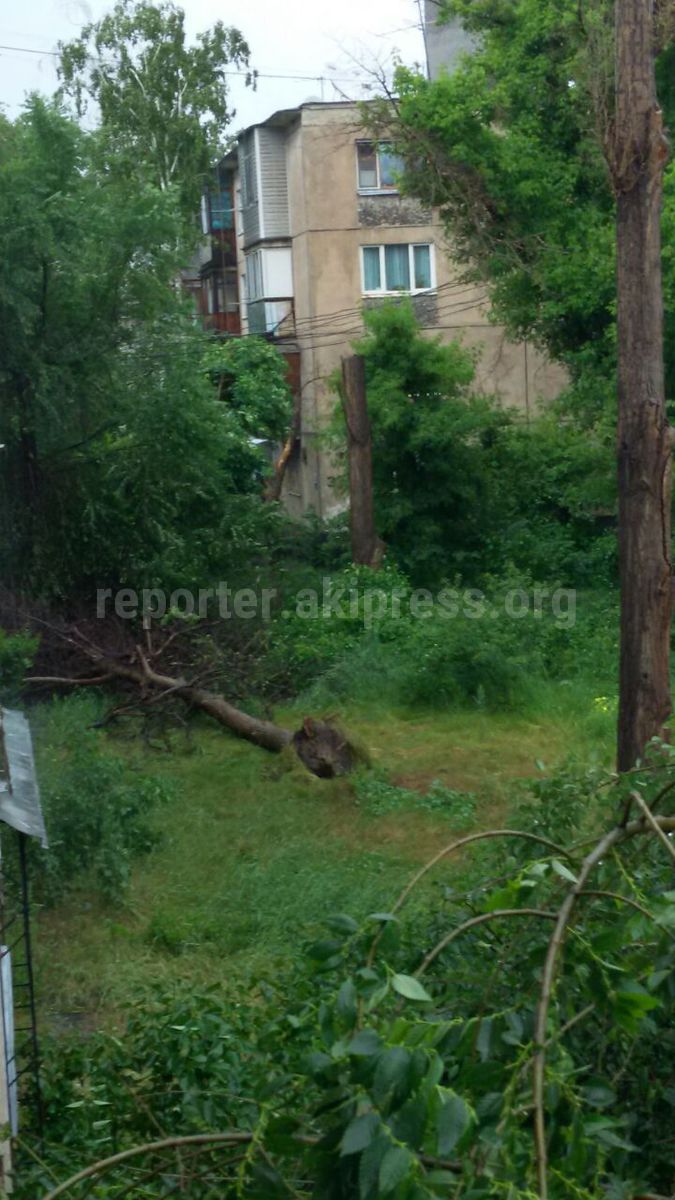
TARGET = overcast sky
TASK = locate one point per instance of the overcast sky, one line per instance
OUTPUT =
(340, 40)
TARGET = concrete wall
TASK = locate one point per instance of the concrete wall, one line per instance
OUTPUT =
(329, 223)
(446, 43)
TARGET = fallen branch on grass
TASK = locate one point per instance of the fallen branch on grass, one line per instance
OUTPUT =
(321, 745)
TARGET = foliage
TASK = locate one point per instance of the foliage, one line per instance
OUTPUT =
(371, 636)
(96, 808)
(510, 147)
(378, 795)
(250, 375)
(396, 1061)
(429, 444)
(119, 466)
(163, 105)
(462, 486)
(17, 652)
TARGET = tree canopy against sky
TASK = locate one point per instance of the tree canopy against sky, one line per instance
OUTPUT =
(510, 147)
(163, 105)
(121, 458)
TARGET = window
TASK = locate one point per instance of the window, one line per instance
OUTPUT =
(378, 167)
(222, 209)
(254, 280)
(397, 268)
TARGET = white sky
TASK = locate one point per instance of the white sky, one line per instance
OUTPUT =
(336, 39)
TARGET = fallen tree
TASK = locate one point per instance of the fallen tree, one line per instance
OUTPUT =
(321, 745)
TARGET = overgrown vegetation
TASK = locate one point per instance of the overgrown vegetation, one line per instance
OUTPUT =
(221, 929)
(395, 1056)
(96, 807)
(463, 486)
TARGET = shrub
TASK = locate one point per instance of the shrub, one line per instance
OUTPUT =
(394, 1060)
(17, 652)
(96, 806)
(480, 655)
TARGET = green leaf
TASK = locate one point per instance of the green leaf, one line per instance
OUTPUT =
(454, 1118)
(598, 1095)
(377, 996)
(342, 923)
(390, 1072)
(441, 1181)
(484, 1038)
(563, 871)
(359, 1133)
(365, 1043)
(394, 1168)
(410, 988)
(324, 949)
(409, 1123)
(369, 1167)
(347, 1006)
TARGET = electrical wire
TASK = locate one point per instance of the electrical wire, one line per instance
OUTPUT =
(243, 74)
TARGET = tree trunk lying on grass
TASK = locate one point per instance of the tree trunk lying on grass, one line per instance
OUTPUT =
(320, 745)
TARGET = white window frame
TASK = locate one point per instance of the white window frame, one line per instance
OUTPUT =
(413, 291)
(379, 189)
(253, 262)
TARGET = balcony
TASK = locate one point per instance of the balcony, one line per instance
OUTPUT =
(273, 317)
(223, 322)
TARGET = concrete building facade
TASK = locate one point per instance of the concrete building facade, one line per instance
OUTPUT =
(445, 43)
(321, 232)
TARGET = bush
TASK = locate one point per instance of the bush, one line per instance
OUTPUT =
(479, 655)
(393, 1060)
(463, 485)
(96, 806)
(17, 652)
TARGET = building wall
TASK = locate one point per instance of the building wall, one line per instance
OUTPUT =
(308, 220)
(446, 43)
(329, 223)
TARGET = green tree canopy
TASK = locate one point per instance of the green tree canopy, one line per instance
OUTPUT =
(463, 486)
(510, 147)
(163, 104)
(119, 463)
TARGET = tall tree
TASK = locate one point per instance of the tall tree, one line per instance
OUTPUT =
(638, 152)
(507, 146)
(120, 460)
(512, 148)
(163, 104)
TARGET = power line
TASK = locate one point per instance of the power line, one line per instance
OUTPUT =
(243, 74)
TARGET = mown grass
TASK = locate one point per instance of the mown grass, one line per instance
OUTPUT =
(255, 851)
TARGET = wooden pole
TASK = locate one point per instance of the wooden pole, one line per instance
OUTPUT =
(6, 1186)
(366, 546)
(637, 156)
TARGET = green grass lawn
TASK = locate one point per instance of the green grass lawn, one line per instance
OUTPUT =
(255, 851)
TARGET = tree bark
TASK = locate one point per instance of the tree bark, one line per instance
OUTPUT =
(276, 480)
(638, 153)
(366, 546)
(320, 745)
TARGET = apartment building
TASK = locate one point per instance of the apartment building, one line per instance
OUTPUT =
(446, 42)
(304, 227)
(212, 277)
(323, 232)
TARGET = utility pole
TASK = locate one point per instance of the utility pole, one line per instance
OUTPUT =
(637, 153)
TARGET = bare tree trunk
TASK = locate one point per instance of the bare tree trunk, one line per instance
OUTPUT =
(276, 480)
(637, 158)
(366, 546)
